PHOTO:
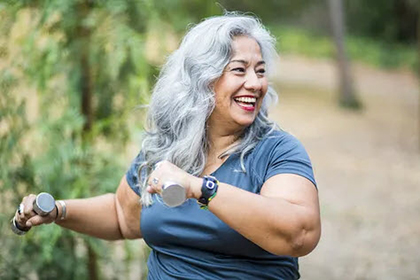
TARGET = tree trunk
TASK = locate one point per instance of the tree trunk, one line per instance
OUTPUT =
(86, 90)
(347, 96)
(92, 263)
(85, 71)
(418, 66)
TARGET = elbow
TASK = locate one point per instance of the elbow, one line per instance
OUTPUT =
(303, 245)
(297, 244)
(304, 241)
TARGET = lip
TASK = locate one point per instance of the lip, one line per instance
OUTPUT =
(249, 109)
(245, 95)
(246, 108)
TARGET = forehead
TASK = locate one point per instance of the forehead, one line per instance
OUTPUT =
(246, 47)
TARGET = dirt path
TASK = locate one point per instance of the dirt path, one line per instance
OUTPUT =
(367, 165)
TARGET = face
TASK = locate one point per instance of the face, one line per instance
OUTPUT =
(240, 90)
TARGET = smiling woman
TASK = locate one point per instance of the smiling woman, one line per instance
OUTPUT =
(209, 135)
(240, 90)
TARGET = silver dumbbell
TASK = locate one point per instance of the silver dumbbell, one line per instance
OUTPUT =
(173, 194)
(44, 203)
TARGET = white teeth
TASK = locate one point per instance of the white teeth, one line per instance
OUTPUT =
(246, 99)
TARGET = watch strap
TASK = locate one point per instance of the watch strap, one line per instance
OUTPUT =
(208, 191)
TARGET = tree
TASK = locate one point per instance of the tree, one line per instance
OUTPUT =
(418, 59)
(389, 21)
(347, 96)
(71, 73)
(418, 62)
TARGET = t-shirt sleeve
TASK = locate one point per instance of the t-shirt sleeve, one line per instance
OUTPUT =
(288, 155)
(132, 174)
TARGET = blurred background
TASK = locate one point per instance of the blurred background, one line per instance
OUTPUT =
(73, 74)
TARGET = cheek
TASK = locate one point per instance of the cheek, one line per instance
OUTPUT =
(225, 88)
(264, 87)
(222, 101)
(219, 99)
(219, 90)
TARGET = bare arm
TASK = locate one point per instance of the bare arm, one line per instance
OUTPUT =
(109, 216)
(284, 219)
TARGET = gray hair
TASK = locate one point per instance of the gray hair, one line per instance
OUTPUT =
(183, 97)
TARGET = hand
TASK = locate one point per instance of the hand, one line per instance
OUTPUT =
(166, 171)
(28, 218)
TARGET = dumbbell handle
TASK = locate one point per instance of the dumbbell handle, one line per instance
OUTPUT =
(44, 203)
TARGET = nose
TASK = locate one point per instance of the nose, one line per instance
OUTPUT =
(252, 81)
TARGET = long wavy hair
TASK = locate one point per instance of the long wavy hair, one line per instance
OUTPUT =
(183, 97)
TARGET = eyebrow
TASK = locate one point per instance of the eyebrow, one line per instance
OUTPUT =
(246, 62)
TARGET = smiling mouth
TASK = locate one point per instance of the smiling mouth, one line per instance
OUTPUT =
(247, 103)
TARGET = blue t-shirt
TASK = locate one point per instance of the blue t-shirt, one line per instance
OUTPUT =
(190, 243)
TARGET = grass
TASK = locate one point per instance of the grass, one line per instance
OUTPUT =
(292, 40)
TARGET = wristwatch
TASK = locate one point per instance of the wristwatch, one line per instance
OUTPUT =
(208, 191)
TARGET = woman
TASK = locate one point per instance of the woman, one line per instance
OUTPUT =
(209, 132)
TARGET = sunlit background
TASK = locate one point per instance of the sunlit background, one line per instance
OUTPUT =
(73, 74)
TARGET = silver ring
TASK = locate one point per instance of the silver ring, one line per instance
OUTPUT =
(155, 181)
(21, 208)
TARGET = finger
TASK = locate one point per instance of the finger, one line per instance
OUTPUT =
(20, 219)
(38, 220)
(28, 202)
(149, 180)
(153, 189)
(21, 208)
(19, 212)
(154, 178)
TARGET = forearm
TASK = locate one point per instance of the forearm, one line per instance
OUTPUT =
(274, 224)
(96, 216)
(283, 219)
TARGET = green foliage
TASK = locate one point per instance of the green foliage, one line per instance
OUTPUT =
(387, 20)
(301, 41)
(54, 54)
(296, 40)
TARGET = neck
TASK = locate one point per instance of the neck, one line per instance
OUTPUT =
(220, 141)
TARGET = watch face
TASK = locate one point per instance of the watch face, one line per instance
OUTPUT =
(210, 185)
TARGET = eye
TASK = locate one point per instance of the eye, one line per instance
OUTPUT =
(261, 72)
(239, 69)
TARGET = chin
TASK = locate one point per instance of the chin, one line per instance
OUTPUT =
(245, 122)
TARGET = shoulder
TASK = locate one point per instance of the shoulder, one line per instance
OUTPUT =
(280, 152)
(278, 141)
